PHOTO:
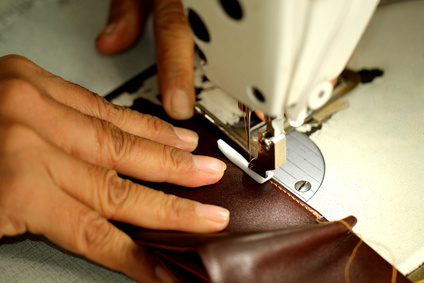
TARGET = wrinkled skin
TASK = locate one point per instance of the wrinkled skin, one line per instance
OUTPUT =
(61, 147)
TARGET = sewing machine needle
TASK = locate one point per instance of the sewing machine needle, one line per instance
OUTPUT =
(247, 115)
(249, 149)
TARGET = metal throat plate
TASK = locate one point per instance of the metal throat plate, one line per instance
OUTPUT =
(304, 169)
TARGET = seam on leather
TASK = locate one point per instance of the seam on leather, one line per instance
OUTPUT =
(317, 216)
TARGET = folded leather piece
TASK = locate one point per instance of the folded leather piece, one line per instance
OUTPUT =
(272, 236)
(314, 253)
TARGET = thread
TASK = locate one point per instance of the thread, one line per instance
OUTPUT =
(350, 228)
(349, 262)
(317, 216)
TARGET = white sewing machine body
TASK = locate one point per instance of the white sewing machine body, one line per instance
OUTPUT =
(278, 57)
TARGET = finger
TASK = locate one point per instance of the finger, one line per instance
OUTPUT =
(102, 143)
(31, 201)
(174, 49)
(126, 22)
(79, 229)
(131, 121)
(128, 120)
(108, 146)
(20, 98)
(122, 200)
(86, 102)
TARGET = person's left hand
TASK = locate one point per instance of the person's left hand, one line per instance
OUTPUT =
(174, 47)
(61, 147)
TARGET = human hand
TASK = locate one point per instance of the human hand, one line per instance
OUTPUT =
(61, 147)
(174, 47)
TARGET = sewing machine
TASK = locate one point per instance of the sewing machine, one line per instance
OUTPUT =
(373, 148)
(278, 57)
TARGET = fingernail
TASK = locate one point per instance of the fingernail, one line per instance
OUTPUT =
(187, 136)
(108, 29)
(213, 213)
(181, 104)
(209, 164)
(164, 275)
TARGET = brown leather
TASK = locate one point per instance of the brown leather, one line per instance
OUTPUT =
(272, 236)
(253, 207)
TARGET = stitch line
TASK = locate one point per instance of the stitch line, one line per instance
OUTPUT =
(317, 216)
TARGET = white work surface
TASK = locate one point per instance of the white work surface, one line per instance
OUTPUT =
(373, 149)
(59, 35)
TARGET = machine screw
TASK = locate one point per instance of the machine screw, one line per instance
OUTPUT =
(302, 186)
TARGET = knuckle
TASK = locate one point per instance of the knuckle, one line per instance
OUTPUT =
(173, 208)
(182, 78)
(10, 226)
(14, 62)
(181, 74)
(15, 195)
(156, 126)
(168, 208)
(116, 194)
(16, 92)
(114, 142)
(111, 112)
(91, 230)
(119, 143)
(19, 67)
(10, 186)
(17, 140)
(174, 159)
(170, 17)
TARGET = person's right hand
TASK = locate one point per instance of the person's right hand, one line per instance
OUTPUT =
(61, 147)
(174, 47)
